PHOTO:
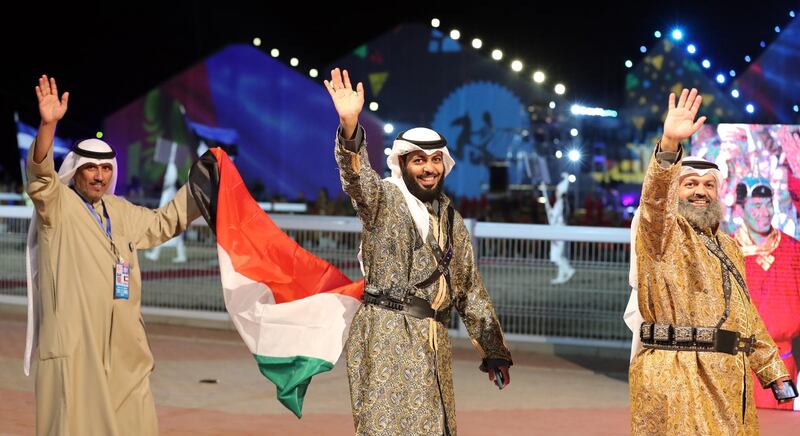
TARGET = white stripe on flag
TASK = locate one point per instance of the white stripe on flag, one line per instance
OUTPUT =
(315, 326)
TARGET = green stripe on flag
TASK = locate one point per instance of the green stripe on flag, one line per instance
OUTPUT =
(292, 376)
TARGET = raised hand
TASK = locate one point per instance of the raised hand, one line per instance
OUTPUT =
(348, 101)
(51, 108)
(790, 143)
(680, 124)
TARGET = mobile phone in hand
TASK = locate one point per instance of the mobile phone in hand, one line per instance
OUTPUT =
(498, 378)
(789, 390)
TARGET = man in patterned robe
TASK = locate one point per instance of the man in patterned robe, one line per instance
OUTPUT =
(692, 376)
(398, 350)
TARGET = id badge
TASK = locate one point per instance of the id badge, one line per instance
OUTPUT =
(122, 273)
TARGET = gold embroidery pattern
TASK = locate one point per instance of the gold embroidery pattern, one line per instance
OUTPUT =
(687, 392)
(391, 368)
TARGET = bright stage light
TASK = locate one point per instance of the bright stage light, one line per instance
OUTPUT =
(574, 155)
(578, 109)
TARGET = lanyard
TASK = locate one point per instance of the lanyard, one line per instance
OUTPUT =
(97, 217)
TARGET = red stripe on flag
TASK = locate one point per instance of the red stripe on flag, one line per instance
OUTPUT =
(261, 251)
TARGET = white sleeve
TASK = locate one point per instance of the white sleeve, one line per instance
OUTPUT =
(633, 319)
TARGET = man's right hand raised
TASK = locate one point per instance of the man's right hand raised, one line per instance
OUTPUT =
(348, 102)
(51, 108)
(680, 124)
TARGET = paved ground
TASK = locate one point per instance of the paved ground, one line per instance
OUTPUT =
(549, 395)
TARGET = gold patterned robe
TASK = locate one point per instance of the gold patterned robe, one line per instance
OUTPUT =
(680, 283)
(400, 385)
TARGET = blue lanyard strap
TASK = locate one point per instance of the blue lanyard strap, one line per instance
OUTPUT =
(96, 216)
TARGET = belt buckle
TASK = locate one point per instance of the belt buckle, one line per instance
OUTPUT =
(727, 341)
(746, 344)
(661, 332)
(683, 334)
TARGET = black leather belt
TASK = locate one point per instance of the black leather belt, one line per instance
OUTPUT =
(410, 305)
(685, 338)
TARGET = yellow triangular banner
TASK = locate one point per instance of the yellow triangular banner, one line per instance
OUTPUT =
(376, 81)
(658, 61)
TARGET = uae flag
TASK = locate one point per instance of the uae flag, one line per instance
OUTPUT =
(291, 308)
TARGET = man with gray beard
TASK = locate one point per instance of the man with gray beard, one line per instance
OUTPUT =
(707, 217)
(701, 334)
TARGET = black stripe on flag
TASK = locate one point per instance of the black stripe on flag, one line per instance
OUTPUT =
(204, 186)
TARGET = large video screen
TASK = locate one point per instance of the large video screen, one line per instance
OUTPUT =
(760, 165)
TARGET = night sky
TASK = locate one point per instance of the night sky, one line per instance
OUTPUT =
(108, 54)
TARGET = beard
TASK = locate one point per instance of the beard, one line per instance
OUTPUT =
(703, 218)
(423, 194)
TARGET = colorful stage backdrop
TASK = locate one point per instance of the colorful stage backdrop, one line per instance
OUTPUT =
(761, 197)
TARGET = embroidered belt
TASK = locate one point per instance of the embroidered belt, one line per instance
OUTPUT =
(409, 305)
(685, 338)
